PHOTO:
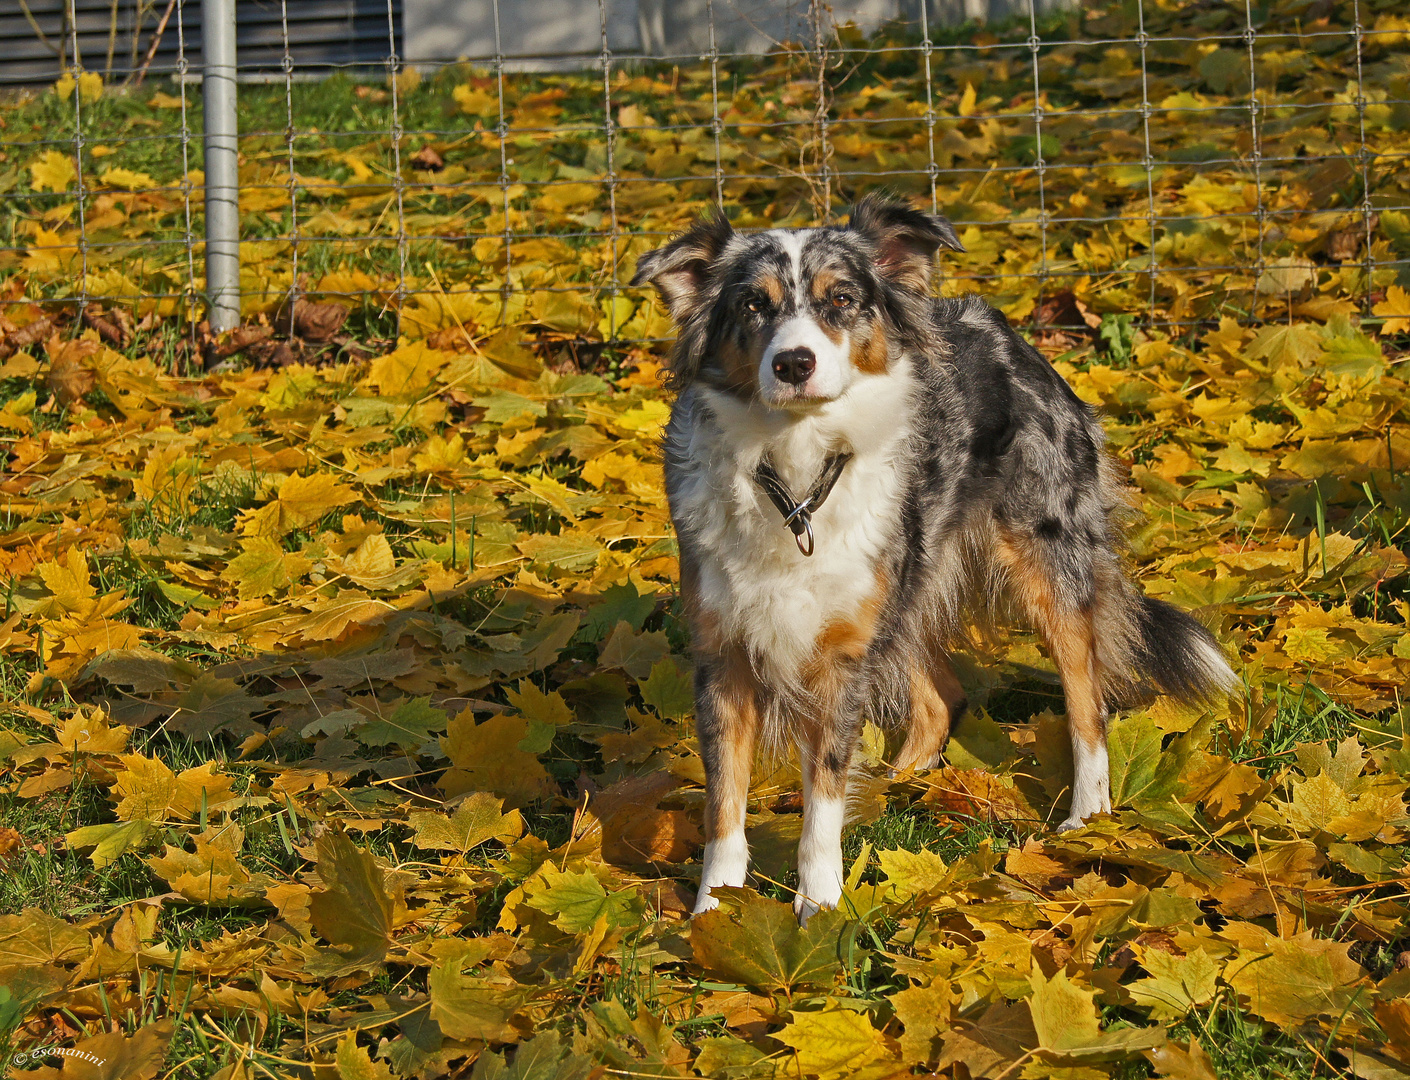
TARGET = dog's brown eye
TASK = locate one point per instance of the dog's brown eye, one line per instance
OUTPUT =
(841, 300)
(754, 304)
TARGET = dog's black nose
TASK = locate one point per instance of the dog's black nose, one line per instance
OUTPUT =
(794, 366)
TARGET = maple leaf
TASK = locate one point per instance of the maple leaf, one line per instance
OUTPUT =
(329, 618)
(474, 101)
(980, 743)
(69, 582)
(647, 735)
(578, 900)
(354, 910)
(115, 1056)
(1395, 308)
(411, 724)
(761, 944)
(618, 604)
(1140, 770)
(33, 937)
(264, 568)
(476, 1007)
(212, 874)
(1182, 1063)
(1292, 346)
(302, 501)
(211, 705)
(149, 791)
(127, 180)
(835, 1043)
(1289, 981)
(668, 691)
(536, 705)
(991, 1043)
(372, 565)
(488, 757)
(406, 371)
(1176, 984)
(110, 841)
(354, 1063)
(438, 454)
(1224, 787)
(89, 733)
(1065, 1021)
(924, 1012)
(477, 819)
(634, 653)
(53, 171)
(910, 874)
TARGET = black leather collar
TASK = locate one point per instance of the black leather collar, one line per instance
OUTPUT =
(798, 513)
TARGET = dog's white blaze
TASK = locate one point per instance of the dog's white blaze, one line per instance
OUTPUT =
(834, 368)
(819, 850)
(753, 578)
(792, 241)
(726, 862)
(1091, 782)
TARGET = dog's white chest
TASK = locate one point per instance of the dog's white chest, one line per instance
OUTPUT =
(765, 593)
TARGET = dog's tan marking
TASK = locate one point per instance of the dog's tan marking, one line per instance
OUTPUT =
(822, 283)
(849, 638)
(773, 288)
(737, 708)
(936, 700)
(1070, 637)
(870, 352)
(706, 634)
(741, 369)
(820, 286)
(826, 677)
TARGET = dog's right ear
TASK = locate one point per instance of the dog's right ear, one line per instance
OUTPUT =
(681, 269)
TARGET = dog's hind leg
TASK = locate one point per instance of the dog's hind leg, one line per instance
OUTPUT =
(1073, 646)
(937, 703)
(727, 722)
(1064, 617)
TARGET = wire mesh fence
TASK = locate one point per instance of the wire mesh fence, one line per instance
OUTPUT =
(1160, 163)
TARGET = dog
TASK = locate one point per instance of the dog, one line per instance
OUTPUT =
(857, 472)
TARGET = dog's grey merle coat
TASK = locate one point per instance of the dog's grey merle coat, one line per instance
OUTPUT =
(979, 487)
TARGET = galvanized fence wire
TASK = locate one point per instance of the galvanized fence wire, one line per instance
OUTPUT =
(504, 216)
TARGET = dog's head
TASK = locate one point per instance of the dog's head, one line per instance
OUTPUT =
(793, 317)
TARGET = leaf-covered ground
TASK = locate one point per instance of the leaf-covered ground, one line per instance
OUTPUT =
(348, 715)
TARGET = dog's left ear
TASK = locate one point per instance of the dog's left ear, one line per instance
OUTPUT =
(681, 269)
(905, 240)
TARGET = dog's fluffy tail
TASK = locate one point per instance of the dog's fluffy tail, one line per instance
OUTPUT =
(1179, 656)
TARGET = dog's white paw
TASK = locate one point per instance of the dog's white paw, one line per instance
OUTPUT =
(726, 863)
(806, 906)
(1080, 816)
(704, 902)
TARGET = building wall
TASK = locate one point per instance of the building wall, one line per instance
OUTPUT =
(323, 35)
(561, 33)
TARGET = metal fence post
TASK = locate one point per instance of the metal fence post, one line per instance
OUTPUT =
(222, 164)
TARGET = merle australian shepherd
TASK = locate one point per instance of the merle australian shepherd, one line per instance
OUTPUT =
(857, 472)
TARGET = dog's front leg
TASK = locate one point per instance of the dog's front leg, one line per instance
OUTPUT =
(826, 760)
(727, 722)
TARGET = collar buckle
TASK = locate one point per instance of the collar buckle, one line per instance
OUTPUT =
(798, 513)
